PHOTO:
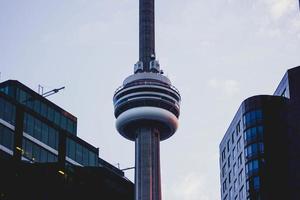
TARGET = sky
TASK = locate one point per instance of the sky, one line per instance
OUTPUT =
(216, 52)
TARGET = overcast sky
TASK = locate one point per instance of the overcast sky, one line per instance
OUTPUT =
(216, 52)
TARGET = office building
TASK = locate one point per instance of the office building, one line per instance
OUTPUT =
(260, 152)
(147, 109)
(38, 136)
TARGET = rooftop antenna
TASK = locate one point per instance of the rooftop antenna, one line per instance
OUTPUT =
(128, 168)
(51, 92)
(40, 89)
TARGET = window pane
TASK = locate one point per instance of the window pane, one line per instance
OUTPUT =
(44, 133)
(37, 129)
(78, 153)
(37, 106)
(43, 155)
(53, 138)
(6, 137)
(70, 126)
(92, 158)
(44, 110)
(85, 155)
(63, 122)
(56, 118)
(50, 114)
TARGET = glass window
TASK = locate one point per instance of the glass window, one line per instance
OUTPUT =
(29, 124)
(223, 154)
(44, 133)
(228, 145)
(50, 114)
(27, 149)
(238, 128)
(224, 170)
(51, 157)
(56, 118)
(241, 194)
(37, 129)
(225, 186)
(71, 149)
(85, 154)
(252, 166)
(240, 160)
(241, 175)
(53, 138)
(234, 169)
(239, 144)
(74, 128)
(92, 158)
(22, 97)
(36, 153)
(253, 133)
(44, 157)
(233, 153)
(6, 137)
(44, 110)
(29, 102)
(78, 153)
(7, 111)
(37, 106)
(256, 183)
(69, 125)
(252, 117)
(63, 122)
(1, 108)
(235, 185)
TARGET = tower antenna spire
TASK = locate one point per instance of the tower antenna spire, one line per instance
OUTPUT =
(146, 33)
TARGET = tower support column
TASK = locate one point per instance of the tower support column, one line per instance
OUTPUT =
(147, 164)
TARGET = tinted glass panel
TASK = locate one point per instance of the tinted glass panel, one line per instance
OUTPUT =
(6, 137)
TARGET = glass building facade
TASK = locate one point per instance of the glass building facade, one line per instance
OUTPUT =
(35, 130)
(41, 156)
(260, 153)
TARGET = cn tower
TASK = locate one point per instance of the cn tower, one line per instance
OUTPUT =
(147, 108)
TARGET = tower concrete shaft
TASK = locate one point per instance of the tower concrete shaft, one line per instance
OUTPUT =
(147, 164)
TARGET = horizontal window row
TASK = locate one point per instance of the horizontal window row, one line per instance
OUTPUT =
(41, 131)
(252, 118)
(253, 133)
(43, 109)
(254, 149)
(253, 184)
(7, 111)
(6, 137)
(37, 153)
(252, 167)
(81, 154)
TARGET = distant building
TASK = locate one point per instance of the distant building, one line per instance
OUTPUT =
(37, 137)
(260, 152)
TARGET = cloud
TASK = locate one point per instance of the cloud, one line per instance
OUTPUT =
(280, 8)
(226, 87)
(191, 187)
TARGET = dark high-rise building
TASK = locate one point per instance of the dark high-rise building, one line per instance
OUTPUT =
(260, 152)
(147, 109)
(38, 139)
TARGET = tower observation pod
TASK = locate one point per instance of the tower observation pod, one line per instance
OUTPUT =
(147, 108)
